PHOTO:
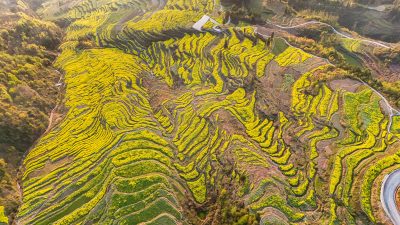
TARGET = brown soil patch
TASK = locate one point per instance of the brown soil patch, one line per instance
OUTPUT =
(51, 166)
(159, 91)
(345, 84)
(229, 123)
(272, 92)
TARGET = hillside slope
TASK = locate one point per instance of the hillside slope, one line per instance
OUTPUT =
(168, 125)
(28, 46)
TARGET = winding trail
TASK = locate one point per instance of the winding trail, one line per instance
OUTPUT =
(392, 111)
(380, 8)
(390, 185)
(59, 85)
(333, 29)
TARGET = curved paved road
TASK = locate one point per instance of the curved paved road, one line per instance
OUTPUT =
(333, 29)
(392, 111)
(390, 184)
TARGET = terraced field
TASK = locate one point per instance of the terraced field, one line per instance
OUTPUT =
(164, 122)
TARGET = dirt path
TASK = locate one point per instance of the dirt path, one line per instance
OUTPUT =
(51, 117)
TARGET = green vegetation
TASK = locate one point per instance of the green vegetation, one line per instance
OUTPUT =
(28, 93)
(26, 79)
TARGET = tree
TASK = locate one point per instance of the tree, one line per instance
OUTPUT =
(225, 44)
(268, 42)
